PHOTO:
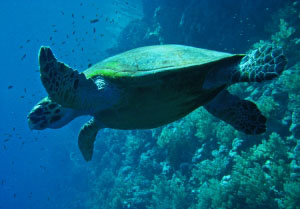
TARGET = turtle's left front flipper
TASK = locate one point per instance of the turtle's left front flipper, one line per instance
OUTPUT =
(87, 137)
(241, 114)
(64, 85)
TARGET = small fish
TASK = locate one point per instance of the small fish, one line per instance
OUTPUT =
(53, 25)
(101, 35)
(62, 12)
(74, 32)
(21, 47)
(22, 97)
(63, 42)
(25, 90)
(94, 20)
(10, 86)
(73, 15)
(81, 3)
(54, 31)
(90, 65)
(50, 38)
(28, 41)
(23, 57)
(94, 30)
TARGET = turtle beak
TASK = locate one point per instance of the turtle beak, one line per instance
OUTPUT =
(30, 124)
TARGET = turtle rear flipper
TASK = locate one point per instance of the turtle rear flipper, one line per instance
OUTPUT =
(87, 137)
(264, 63)
(241, 114)
(64, 85)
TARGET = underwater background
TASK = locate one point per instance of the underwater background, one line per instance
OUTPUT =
(194, 163)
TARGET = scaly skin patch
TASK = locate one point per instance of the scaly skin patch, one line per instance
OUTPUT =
(243, 115)
(264, 63)
(64, 85)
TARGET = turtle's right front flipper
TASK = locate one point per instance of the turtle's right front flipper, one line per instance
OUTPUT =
(264, 63)
(87, 137)
(64, 85)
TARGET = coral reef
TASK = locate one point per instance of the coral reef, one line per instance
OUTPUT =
(199, 161)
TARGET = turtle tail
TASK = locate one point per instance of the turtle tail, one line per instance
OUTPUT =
(64, 85)
(264, 63)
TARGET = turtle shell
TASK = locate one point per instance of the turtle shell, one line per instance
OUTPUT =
(158, 84)
(155, 60)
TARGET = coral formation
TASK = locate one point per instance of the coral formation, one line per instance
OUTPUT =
(199, 161)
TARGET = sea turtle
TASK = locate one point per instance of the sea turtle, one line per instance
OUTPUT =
(151, 86)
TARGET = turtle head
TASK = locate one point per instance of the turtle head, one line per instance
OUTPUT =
(49, 114)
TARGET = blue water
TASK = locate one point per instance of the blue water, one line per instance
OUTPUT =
(36, 170)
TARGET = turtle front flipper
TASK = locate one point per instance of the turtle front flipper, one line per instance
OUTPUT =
(264, 63)
(241, 114)
(87, 137)
(64, 85)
